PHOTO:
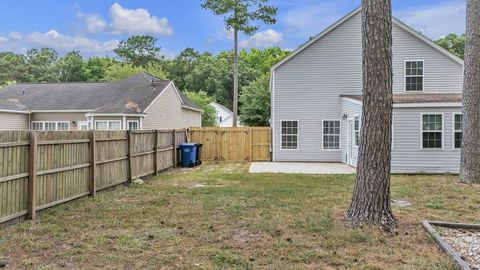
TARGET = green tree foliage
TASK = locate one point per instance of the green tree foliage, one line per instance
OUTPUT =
(120, 70)
(42, 65)
(255, 100)
(202, 99)
(139, 51)
(71, 67)
(241, 16)
(13, 67)
(179, 67)
(454, 43)
(95, 68)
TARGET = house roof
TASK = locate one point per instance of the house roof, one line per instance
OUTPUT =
(417, 98)
(131, 95)
(11, 105)
(222, 107)
(395, 21)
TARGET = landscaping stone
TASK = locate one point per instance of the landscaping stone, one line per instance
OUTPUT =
(401, 203)
(138, 181)
(466, 243)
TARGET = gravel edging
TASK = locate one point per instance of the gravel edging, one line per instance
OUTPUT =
(453, 231)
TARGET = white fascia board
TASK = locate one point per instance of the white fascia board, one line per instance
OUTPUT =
(427, 105)
(13, 111)
(115, 114)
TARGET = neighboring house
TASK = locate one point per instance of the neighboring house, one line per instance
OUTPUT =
(138, 102)
(317, 100)
(224, 116)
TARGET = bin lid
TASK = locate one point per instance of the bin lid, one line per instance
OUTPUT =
(188, 144)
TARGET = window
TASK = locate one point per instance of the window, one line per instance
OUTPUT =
(50, 125)
(432, 128)
(356, 129)
(331, 135)
(289, 135)
(114, 125)
(457, 132)
(108, 124)
(83, 125)
(62, 125)
(414, 76)
(37, 125)
(132, 125)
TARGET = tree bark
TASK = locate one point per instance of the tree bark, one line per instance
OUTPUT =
(371, 196)
(470, 153)
(235, 77)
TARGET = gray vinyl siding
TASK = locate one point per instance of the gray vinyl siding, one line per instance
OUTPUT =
(307, 86)
(13, 121)
(70, 117)
(350, 109)
(407, 155)
(167, 113)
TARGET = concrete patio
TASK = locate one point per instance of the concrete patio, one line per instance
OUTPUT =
(300, 167)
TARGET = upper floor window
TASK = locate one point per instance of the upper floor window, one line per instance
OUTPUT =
(457, 132)
(414, 76)
(432, 129)
(331, 135)
(289, 135)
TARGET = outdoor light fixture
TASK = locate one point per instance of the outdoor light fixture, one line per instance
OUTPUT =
(344, 116)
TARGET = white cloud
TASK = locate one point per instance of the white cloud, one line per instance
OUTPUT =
(94, 23)
(63, 43)
(263, 39)
(3, 39)
(436, 20)
(137, 21)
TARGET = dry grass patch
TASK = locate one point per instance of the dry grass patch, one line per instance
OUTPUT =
(218, 216)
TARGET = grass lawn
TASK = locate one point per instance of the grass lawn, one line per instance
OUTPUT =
(218, 216)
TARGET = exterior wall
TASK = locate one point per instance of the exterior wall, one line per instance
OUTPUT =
(167, 113)
(17, 121)
(407, 155)
(307, 87)
(70, 117)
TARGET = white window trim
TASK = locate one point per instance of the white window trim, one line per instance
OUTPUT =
(108, 124)
(421, 131)
(49, 122)
(339, 135)
(405, 77)
(132, 121)
(454, 130)
(298, 135)
(83, 123)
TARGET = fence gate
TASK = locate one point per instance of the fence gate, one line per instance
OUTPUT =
(239, 144)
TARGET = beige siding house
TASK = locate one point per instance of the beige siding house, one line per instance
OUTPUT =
(138, 102)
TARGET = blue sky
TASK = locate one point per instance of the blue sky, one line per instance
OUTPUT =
(95, 26)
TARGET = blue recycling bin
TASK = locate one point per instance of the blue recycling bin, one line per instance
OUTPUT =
(188, 154)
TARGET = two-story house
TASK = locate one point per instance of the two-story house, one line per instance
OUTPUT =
(316, 95)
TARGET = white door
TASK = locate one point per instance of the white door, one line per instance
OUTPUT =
(352, 145)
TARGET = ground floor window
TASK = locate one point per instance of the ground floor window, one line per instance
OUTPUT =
(457, 133)
(50, 125)
(289, 134)
(331, 135)
(133, 125)
(432, 129)
(108, 124)
(84, 125)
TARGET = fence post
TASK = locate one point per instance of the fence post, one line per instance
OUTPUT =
(93, 164)
(130, 153)
(175, 148)
(32, 174)
(251, 144)
(156, 152)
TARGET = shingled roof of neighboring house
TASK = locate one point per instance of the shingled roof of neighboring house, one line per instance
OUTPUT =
(418, 98)
(11, 105)
(130, 95)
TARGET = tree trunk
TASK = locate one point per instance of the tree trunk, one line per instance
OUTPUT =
(371, 196)
(235, 77)
(470, 156)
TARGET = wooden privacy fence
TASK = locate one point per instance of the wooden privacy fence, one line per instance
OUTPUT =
(42, 169)
(233, 144)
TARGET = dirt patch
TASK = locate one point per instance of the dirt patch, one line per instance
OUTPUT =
(243, 238)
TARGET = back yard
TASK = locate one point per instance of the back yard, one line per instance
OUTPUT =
(218, 216)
